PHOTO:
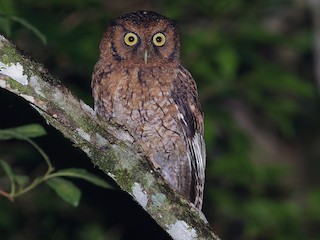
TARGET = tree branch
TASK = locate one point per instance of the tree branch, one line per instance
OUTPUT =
(107, 144)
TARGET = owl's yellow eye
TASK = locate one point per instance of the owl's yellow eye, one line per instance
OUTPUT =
(130, 39)
(159, 39)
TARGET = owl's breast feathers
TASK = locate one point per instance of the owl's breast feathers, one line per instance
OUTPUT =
(160, 108)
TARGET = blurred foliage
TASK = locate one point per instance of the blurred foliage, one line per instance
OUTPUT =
(21, 184)
(253, 62)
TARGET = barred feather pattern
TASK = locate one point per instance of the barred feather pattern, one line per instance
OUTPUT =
(144, 87)
(191, 118)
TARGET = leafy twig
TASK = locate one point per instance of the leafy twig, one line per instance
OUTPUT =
(64, 189)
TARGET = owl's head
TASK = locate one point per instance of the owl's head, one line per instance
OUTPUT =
(141, 38)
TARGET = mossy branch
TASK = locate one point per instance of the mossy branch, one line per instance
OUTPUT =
(108, 145)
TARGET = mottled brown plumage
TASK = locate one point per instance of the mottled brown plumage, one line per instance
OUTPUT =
(140, 83)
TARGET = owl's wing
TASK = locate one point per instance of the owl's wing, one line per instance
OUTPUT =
(185, 96)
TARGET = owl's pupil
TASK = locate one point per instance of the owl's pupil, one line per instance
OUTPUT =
(131, 39)
(158, 39)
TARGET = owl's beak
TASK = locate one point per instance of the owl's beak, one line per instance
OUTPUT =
(145, 56)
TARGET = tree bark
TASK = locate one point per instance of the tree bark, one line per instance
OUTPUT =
(108, 145)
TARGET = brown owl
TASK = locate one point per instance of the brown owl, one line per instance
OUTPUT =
(140, 83)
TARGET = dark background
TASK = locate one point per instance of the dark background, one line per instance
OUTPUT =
(254, 63)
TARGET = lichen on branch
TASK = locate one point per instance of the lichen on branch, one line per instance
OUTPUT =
(108, 145)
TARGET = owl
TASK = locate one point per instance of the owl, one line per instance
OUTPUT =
(139, 82)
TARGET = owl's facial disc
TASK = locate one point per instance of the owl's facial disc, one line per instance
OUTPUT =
(158, 40)
(146, 46)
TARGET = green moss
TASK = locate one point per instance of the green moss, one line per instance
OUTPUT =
(124, 180)
(9, 54)
(158, 199)
(106, 163)
(22, 89)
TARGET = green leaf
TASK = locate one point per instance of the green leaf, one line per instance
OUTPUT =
(22, 132)
(21, 180)
(7, 169)
(5, 26)
(32, 28)
(66, 190)
(7, 7)
(83, 174)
